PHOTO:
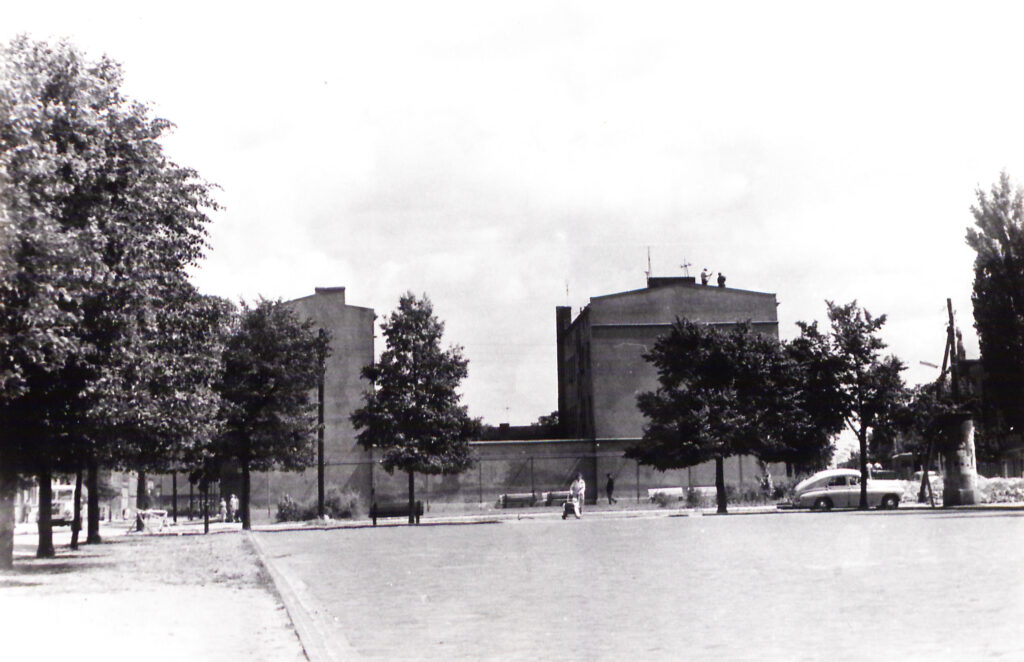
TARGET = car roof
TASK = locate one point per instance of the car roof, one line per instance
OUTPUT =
(836, 472)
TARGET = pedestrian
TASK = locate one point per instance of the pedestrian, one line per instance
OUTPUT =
(609, 488)
(223, 510)
(705, 276)
(577, 492)
(234, 515)
(721, 279)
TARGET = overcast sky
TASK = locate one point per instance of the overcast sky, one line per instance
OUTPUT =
(507, 158)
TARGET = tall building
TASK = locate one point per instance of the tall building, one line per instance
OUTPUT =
(351, 348)
(601, 369)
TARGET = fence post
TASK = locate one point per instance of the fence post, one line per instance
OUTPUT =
(480, 480)
(533, 487)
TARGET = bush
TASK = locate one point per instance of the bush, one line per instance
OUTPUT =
(337, 505)
(663, 500)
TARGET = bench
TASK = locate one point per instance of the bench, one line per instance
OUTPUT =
(148, 520)
(556, 497)
(517, 499)
(380, 511)
(667, 492)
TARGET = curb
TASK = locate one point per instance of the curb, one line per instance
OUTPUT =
(320, 645)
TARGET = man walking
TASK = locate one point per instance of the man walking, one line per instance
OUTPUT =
(609, 488)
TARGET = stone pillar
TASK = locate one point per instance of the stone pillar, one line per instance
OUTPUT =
(960, 486)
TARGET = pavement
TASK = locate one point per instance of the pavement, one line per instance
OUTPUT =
(240, 604)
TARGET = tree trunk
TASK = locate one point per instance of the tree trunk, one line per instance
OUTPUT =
(141, 493)
(92, 511)
(720, 495)
(8, 494)
(45, 548)
(862, 438)
(246, 492)
(412, 498)
(76, 520)
(204, 491)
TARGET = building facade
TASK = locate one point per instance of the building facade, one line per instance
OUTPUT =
(601, 369)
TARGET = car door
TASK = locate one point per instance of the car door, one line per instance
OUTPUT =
(853, 498)
(838, 491)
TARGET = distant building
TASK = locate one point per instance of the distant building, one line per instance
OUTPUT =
(601, 369)
(351, 343)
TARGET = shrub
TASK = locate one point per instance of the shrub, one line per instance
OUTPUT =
(694, 498)
(663, 500)
(338, 504)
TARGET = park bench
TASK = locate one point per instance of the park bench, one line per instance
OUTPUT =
(149, 520)
(667, 492)
(517, 499)
(382, 510)
(556, 497)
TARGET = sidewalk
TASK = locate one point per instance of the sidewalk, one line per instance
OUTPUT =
(159, 597)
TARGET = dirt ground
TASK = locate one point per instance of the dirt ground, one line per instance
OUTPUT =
(161, 597)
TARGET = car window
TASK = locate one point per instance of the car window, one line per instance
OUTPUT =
(854, 480)
(836, 481)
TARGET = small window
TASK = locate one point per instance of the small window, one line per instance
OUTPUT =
(837, 481)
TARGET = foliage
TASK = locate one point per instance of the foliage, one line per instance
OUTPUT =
(338, 504)
(872, 391)
(724, 393)
(272, 363)
(412, 414)
(97, 225)
(998, 299)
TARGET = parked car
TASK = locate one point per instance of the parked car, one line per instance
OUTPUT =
(840, 488)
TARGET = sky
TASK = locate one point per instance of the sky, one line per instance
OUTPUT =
(507, 158)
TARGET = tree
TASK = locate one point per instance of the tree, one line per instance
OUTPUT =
(712, 398)
(97, 220)
(998, 299)
(872, 390)
(811, 407)
(412, 412)
(272, 363)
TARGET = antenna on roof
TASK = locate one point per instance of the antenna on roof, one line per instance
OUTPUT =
(648, 272)
(685, 266)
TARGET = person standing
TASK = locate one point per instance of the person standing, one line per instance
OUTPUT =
(609, 488)
(705, 276)
(233, 513)
(577, 492)
(721, 279)
(223, 510)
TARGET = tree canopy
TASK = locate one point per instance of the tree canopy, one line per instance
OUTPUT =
(871, 388)
(98, 228)
(272, 363)
(998, 299)
(412, 413)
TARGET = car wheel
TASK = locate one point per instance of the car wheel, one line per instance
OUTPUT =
(891, 502)
(823, 504)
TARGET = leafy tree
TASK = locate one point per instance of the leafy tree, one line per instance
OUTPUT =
(272, 363)
(711, 400)
(97, 220)
(998, 298)
(871, 388)
(412, 413)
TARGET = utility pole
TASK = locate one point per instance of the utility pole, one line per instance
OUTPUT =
(320, 434)
(960, 486)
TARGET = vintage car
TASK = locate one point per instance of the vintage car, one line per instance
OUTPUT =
(840, 488)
